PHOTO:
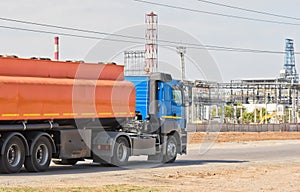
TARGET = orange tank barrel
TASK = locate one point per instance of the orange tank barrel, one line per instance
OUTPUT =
(35, 98)
(58, 69)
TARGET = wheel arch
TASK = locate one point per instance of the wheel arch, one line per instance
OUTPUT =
(7, 136)
(33, 137)
(128, 140)
(110, 138)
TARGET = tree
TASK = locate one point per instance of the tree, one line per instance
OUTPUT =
(233, 109)
(248, 117)
(228, 112)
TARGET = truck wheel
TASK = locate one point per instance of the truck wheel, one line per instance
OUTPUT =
(41, 156)
(121, 152)
(13, 157)
(171, 150)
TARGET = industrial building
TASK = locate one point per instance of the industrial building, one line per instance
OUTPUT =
(270, 100)
(276, 100)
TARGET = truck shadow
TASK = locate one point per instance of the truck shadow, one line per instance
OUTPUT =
(201, 162)
(84, 168)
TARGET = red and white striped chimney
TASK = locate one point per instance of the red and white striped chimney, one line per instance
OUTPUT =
(56, 49)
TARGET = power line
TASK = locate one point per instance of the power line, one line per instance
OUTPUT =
(241, 50)
(218, 14)
(93, 32)
(171, 43)
(248, 10)
(66, 28)
(66, 34)
(90, 31)
(191, 45)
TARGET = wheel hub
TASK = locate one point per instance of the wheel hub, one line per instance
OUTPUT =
(13, 155)
(171, 149)
(42, 154)
(122, 152)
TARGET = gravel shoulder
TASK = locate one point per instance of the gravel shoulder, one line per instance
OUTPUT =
(258, 176)
(200, 137)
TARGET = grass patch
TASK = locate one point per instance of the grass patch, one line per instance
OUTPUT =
(130, 188)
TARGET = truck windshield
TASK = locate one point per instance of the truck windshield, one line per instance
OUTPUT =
(177, 95)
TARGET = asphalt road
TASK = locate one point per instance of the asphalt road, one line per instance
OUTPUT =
(245, 151)
(198, 155)
(204, 153)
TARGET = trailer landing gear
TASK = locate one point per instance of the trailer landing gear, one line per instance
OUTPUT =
(66, 161)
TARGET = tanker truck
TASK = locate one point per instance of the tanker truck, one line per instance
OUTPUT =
(67, 112)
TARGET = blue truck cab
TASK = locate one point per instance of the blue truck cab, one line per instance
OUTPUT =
(168, 99)
(160, 101)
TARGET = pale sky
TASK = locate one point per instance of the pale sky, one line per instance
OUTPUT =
(114, 16)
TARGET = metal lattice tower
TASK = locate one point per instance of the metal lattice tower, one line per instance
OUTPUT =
(290, 72)
(134, 62)
(151, 48)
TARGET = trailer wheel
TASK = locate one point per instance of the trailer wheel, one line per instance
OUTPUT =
(171, 150)
(41, 156)
(13, 157)
(121, 152)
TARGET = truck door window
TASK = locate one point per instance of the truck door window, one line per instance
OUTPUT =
(177, 95)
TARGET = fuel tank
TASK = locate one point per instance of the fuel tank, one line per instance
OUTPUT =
(43, 90)
(59, 69)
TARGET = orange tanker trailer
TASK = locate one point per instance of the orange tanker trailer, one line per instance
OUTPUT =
(49, 90)
(71, 111)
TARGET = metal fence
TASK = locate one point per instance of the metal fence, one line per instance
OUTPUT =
(243, 128)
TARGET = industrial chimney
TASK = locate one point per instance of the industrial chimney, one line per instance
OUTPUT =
(56, 49)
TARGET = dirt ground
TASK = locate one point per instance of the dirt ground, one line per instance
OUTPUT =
(218, 137)
(276, 176)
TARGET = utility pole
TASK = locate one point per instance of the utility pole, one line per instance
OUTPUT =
(294, 108)
(181, 51)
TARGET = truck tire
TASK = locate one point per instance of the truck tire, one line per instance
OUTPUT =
(41, 156)
(13, 157)
(171, 150)
(121, 152)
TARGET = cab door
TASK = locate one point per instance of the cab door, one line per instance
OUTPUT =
(177, 105)
(170, 99)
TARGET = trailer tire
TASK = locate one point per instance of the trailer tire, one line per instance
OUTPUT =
(13, 157)
(121, 152)
(41, 156)
(171, 150)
